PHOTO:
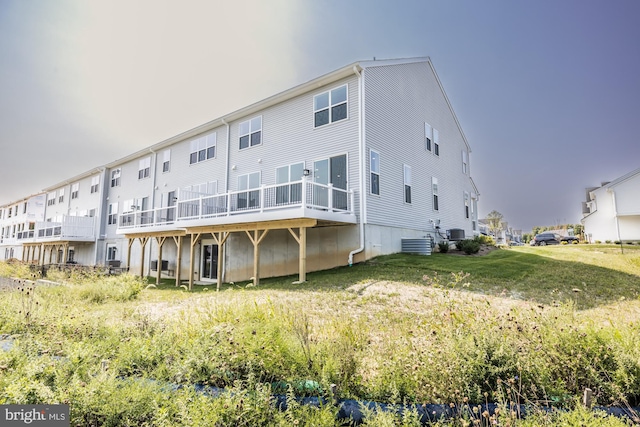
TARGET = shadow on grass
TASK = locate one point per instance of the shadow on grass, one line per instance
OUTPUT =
(514, 274)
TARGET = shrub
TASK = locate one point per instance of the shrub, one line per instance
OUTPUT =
(485, 240)
(443, 247)
(470, 247)
(597, 242)
(607, 241)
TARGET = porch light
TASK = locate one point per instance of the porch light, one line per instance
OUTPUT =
(306, 172)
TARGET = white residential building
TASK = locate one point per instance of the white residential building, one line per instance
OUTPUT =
(334, 171)
(612, 211)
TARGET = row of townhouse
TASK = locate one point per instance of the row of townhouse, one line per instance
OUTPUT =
(334, 171)
(612, 211)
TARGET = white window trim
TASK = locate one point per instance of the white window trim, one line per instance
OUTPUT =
(435, 194)
(407, 183)
(428, 137)
(144, 166)
(372, 172)
(115, 177)
(203, 143)
(166, 160)
(74, 190)
(465, 162)
(95, 184)
(330, 106)
(250, 132)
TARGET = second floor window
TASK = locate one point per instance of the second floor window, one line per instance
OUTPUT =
(74, 190)
(436, 142)
(250, 132)
(465, 162)
(203, 148)
(61, 195)
(51, 199)
(428, 137)
(95, 181)
(115, 177)
(144, 167)
(330, 106)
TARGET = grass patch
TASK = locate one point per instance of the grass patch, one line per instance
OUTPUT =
(511, 328)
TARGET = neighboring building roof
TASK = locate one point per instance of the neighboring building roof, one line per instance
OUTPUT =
(622, 178)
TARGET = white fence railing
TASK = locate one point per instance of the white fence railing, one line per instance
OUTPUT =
(293, 195)
(76, 227)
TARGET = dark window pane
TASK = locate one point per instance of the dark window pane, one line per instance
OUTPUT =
(429, 144)
(193, 158)
(282, 195)
(322, 117)
(436, 149)
(140, 174)
(407, 193)
(165, 167)
(256, 138)
(202, 155)
(244, 141)
(375, 183)
(435, 202)
(211, 152)
(339, 112)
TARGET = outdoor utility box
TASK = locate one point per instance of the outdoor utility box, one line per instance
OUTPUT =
(165, 265)
(456, 234)
(416, 246)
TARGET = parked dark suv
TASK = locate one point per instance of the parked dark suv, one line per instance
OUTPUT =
(544, 239)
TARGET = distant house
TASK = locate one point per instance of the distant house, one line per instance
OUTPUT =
(336, 170)
(612, 211)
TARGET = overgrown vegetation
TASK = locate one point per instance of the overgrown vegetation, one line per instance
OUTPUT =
(507, 328)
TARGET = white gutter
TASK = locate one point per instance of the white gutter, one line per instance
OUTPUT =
(360, 164)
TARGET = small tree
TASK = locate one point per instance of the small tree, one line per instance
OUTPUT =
(494, 221)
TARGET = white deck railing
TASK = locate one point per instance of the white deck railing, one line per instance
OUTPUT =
(302, 194)
(71, 227)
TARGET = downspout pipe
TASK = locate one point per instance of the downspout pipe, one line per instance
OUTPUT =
(360, 163)
(226, 190)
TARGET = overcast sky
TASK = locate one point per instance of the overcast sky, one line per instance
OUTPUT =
(547, 91)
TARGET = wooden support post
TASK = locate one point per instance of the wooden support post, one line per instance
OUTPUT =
(301, 238)
(194, 240)
(41, 255)
(256, 239)
(129, 244)
(160, 241)
(65, 253)
(220, 239)
(178, 241)
(143, 245)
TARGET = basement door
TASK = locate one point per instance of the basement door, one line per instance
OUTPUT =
(209, 266)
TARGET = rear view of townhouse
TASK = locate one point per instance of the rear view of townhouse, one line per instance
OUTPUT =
(332, 172)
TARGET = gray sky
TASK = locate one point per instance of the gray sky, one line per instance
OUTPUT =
(547, 91)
